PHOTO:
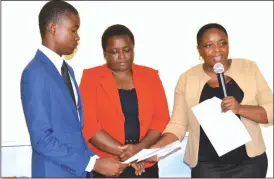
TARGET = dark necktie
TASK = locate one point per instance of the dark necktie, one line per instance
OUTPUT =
(65, 75)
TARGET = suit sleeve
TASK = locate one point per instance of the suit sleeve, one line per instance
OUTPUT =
(88, 93)
(161, 112)
(264, 94)
(36, 106)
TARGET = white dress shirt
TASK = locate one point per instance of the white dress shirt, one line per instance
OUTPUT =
(58, 62)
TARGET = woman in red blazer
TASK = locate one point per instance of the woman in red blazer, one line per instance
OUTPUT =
(125, 106)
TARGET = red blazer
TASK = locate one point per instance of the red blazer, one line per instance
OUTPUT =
(102, 108)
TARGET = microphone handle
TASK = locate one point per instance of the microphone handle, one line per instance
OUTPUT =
(223, 84)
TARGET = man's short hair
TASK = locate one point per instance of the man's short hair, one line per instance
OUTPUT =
(53, 11)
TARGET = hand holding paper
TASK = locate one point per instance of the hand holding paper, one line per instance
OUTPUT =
(128, 151)
(224, 130)
(138, 155)
(154, 158)
(161, 152)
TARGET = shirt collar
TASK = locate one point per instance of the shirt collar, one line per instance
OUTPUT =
(54, 57)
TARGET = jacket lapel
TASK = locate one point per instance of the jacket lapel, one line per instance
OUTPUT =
(108, 83)
(142, 92)
(53, 72)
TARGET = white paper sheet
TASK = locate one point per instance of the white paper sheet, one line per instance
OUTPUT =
(225, 130)
(163, 151)
(140, 154)
(147, 153)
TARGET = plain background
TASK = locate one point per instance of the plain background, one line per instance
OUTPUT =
(165, 39)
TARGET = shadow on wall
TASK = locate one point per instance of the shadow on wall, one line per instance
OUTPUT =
(69, 57)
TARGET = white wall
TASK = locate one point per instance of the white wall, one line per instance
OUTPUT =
(165, 34)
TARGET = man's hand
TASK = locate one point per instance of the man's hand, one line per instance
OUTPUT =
(109, 167)
(128, 151)
(139, 167)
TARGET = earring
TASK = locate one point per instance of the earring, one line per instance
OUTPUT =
(201, 58)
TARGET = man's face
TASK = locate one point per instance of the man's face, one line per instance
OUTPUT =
(66, 34)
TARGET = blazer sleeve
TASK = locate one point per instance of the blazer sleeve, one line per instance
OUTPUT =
(88, 93)
(264, 94)
(178, 123)
(44, 140)
(161, 112)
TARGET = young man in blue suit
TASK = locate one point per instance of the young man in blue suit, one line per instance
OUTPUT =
(52, 103)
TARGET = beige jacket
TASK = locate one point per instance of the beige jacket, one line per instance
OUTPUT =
(187, 94)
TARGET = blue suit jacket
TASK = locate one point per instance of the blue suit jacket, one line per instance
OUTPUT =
(58, 146)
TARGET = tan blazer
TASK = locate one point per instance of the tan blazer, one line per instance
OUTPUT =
(187, 94)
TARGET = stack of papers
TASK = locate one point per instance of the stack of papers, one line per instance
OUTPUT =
(161, 152)
(225, 131)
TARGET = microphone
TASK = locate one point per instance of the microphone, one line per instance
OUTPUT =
(219, 70)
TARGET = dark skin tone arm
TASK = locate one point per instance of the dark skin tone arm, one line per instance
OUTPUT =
(103, 141)
(151, 137)
(251, 112)
(166, 139)
(106, 143)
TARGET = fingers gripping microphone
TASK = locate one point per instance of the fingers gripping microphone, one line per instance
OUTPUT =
(219, 70)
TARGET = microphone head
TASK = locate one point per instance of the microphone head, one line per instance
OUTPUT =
(218, 68)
